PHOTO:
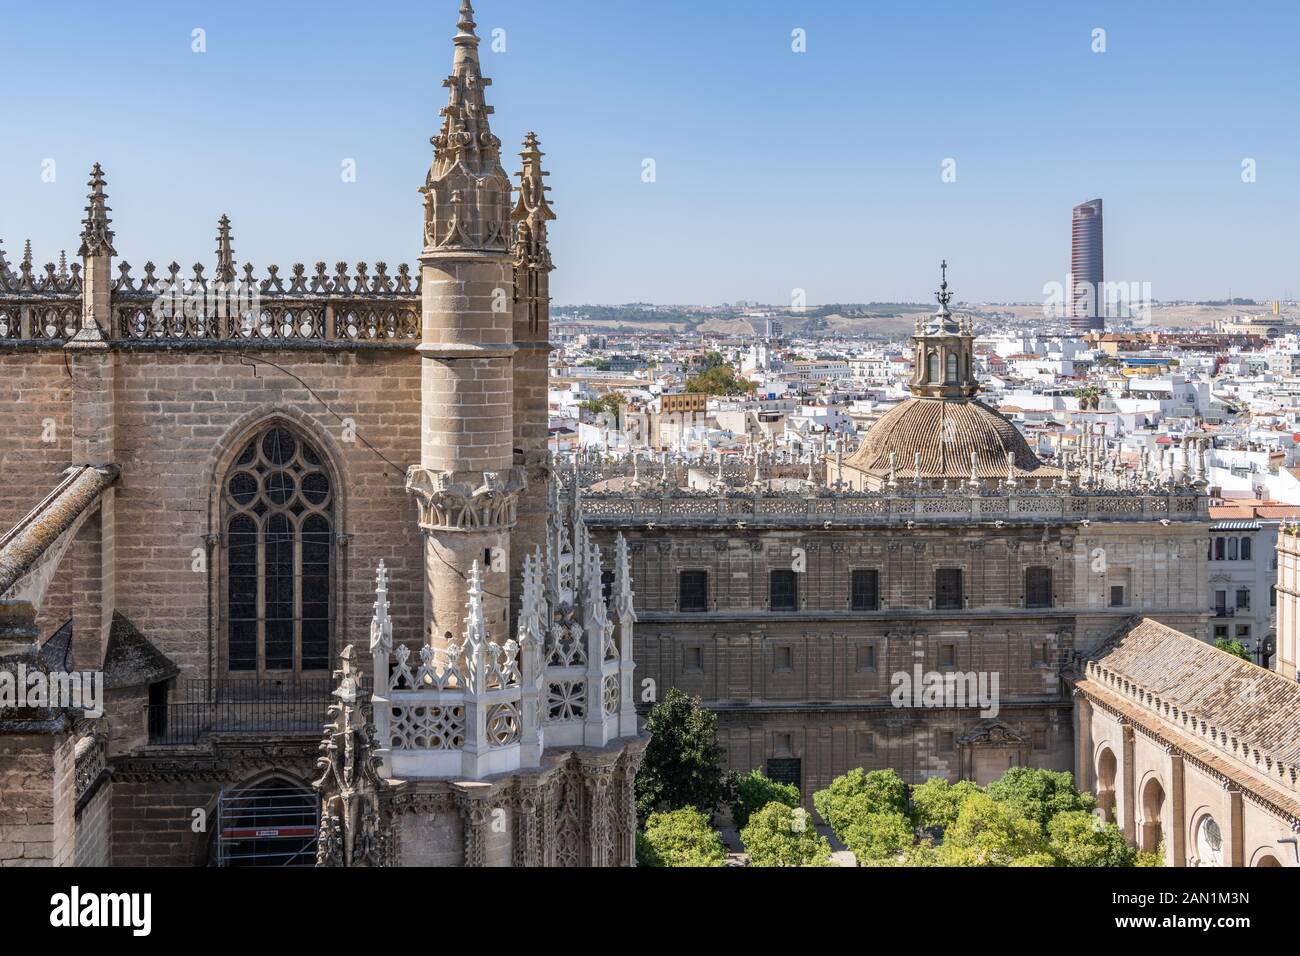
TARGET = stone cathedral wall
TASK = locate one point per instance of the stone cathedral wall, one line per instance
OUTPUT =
(179, 415)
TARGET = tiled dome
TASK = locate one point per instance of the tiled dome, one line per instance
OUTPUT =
(945, 432)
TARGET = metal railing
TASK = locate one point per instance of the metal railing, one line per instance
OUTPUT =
(239, 706)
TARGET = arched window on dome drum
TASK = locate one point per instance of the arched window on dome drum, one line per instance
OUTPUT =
(952, 368)
(932, 373)
(277, 506)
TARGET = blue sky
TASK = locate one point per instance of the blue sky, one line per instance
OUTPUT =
(775, 170)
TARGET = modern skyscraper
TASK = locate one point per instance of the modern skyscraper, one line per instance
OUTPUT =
(1087, 311)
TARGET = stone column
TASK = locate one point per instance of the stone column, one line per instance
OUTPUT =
(1234, 851)
(466, 484)
(532, 317)
(1129, 787)
(1083, 771)
(1176, 837)
(92, 366)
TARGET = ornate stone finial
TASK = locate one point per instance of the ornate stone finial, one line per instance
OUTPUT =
(27, 254)
(533, 210)
(1011, 470)
(63, 264)
(96, 237)
(467, 24)
(6, 274)
(225, 252)
(916, 470)
(467, 193)
(893, 470)
(381, 625)
(974, 470)
(352, 831)
(475, 622)
(943, 295)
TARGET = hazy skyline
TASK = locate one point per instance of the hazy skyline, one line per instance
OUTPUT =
(775, 170)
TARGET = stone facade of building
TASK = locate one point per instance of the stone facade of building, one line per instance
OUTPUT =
(1191, 751)
(942, 544)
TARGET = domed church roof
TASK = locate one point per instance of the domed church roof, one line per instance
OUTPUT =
(945, 432)
(943, 423)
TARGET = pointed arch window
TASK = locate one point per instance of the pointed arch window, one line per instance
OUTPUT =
(278, 513)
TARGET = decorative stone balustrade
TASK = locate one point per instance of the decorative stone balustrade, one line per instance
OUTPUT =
(825, 508)
(479, 707)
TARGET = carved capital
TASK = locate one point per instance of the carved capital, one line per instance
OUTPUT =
(451, 501)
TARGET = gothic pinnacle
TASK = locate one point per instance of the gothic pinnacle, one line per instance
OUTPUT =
(96, 237)
(467, 24)
(225, 252)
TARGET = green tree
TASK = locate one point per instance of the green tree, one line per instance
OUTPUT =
(1235, 648)
(720, 380)
(679, 838)
(1078, 838)
(936, 802)
(779, 836)
(683, 762)
(878, 837)
(610, 403)
(754, 791)
(857, 793)
(600, 365)
(1039, 795)
(989, 833)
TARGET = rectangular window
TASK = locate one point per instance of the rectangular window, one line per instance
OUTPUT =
(784, 589)
(947, 589)
(948, 655)
(1243, 598)
(785, 769)
(694, 659)
(1040, 739)
(693, 591)
(1220, 632)
(1272, 596)
(1220, 602)
(1038, 587)
(866, 743)
(867, 657)
(947, 742)
(865, 590)
(1243, 631)
(783, 659)
(1117, 597)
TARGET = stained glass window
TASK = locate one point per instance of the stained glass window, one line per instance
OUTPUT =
(278, 508)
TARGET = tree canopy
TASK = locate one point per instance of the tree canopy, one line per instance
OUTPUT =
(683, 762)
(754, 791)
(679, 838)
(780, 836)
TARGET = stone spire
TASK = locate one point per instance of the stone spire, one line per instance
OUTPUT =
(6, 273)
(225, 251)
(533, 210)
(944, 352)
(467, 460)
(467, 193)
(96, 237)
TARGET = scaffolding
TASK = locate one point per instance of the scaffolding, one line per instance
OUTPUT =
(271, 825)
